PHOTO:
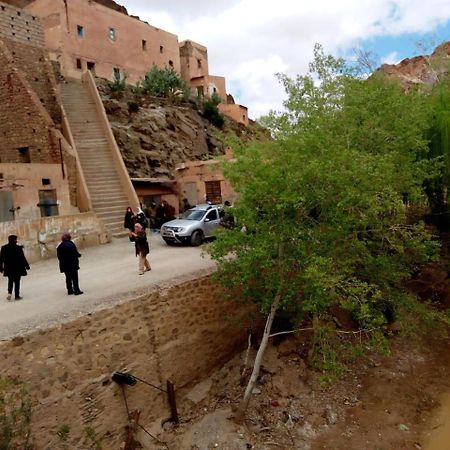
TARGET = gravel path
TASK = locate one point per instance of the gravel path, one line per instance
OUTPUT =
(108, 276)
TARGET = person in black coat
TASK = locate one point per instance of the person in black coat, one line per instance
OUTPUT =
(68, 255)
(14, 265)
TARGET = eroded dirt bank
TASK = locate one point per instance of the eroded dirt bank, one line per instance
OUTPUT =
(386, 403)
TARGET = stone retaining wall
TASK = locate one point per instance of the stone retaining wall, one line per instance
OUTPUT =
(41, 236)
(181, 333)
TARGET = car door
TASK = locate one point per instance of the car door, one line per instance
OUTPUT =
(211, 222)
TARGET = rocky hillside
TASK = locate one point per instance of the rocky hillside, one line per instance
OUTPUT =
(155, 134)
(420, 70)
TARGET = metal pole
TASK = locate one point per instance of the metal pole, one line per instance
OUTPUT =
(172, 402)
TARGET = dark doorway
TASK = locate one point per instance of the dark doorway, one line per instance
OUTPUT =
(91, 67)
(48, 203)
(6, 206)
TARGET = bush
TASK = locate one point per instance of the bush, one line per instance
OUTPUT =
(211, 112)
(163, 82)
(133, 107)
(118, 85)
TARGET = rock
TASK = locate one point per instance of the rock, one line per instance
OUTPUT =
(200, 391)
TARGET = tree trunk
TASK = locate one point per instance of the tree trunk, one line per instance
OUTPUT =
(240, 412)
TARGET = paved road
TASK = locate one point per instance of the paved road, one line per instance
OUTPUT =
(108, 276)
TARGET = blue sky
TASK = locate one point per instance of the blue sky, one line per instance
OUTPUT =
(396, 48)
(249, 41)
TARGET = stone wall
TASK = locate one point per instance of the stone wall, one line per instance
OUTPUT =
(41, 236)
(180, 333)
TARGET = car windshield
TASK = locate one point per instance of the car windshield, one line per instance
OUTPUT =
(193, 214)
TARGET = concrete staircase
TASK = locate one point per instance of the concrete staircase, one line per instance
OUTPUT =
(109, 200)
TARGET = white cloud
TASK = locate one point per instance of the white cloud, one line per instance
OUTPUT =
(391, 58)
(249, 40)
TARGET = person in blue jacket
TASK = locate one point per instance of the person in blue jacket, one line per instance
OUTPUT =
(68, 255)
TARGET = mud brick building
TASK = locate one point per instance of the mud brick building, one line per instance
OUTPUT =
(31, 148)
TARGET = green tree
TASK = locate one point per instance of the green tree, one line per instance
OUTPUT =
(323, 206)
(164, 83)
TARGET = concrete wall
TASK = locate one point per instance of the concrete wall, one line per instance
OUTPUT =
(126, 52)
(181, 333)
(41, 236)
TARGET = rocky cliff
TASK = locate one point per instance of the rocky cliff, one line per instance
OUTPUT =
(155, 134)
(420, 70)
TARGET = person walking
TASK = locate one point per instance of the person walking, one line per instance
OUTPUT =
(129, 219)
(14, 265)
(139, 236)
(68, 255)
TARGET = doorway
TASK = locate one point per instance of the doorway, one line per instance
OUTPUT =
(48, 203)
(91, 67)
(6, 206)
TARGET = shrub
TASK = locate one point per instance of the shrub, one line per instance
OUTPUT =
(211, 112)
(162, 82)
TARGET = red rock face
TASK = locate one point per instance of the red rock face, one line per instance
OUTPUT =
(420, 69)
(108, 3)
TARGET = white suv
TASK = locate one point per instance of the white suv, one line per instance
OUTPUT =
(196, 225)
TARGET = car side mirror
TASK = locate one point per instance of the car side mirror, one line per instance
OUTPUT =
(207, 220)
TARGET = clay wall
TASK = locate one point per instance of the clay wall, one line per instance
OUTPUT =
(23, 35)
(25, 126)
(41, 236)
(20, 26)
(193, 60)
(180, 333)
(26, 180)
(238, 113)
(191, 178)
(108, 39)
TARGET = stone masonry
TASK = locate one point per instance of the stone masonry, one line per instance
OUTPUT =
(179, 333)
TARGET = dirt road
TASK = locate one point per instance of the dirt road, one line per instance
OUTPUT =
(108, 275)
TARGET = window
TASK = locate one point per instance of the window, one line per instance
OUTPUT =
(80, 31)
(79, 66)
(161, 49)
(45, 181)
(144, 45)
(212, 215)
(199, 63)
(116, 74)
(24, 154)
(200, 91)
(112, 34)
(170, 63)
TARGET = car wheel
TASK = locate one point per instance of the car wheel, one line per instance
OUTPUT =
(169, 242)
(196, 238)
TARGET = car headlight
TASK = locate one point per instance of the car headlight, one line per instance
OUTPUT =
(179, 229)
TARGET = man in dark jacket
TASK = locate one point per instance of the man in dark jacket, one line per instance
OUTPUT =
(68, 255)
(14, 265)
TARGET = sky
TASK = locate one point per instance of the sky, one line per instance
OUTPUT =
(249, 41)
